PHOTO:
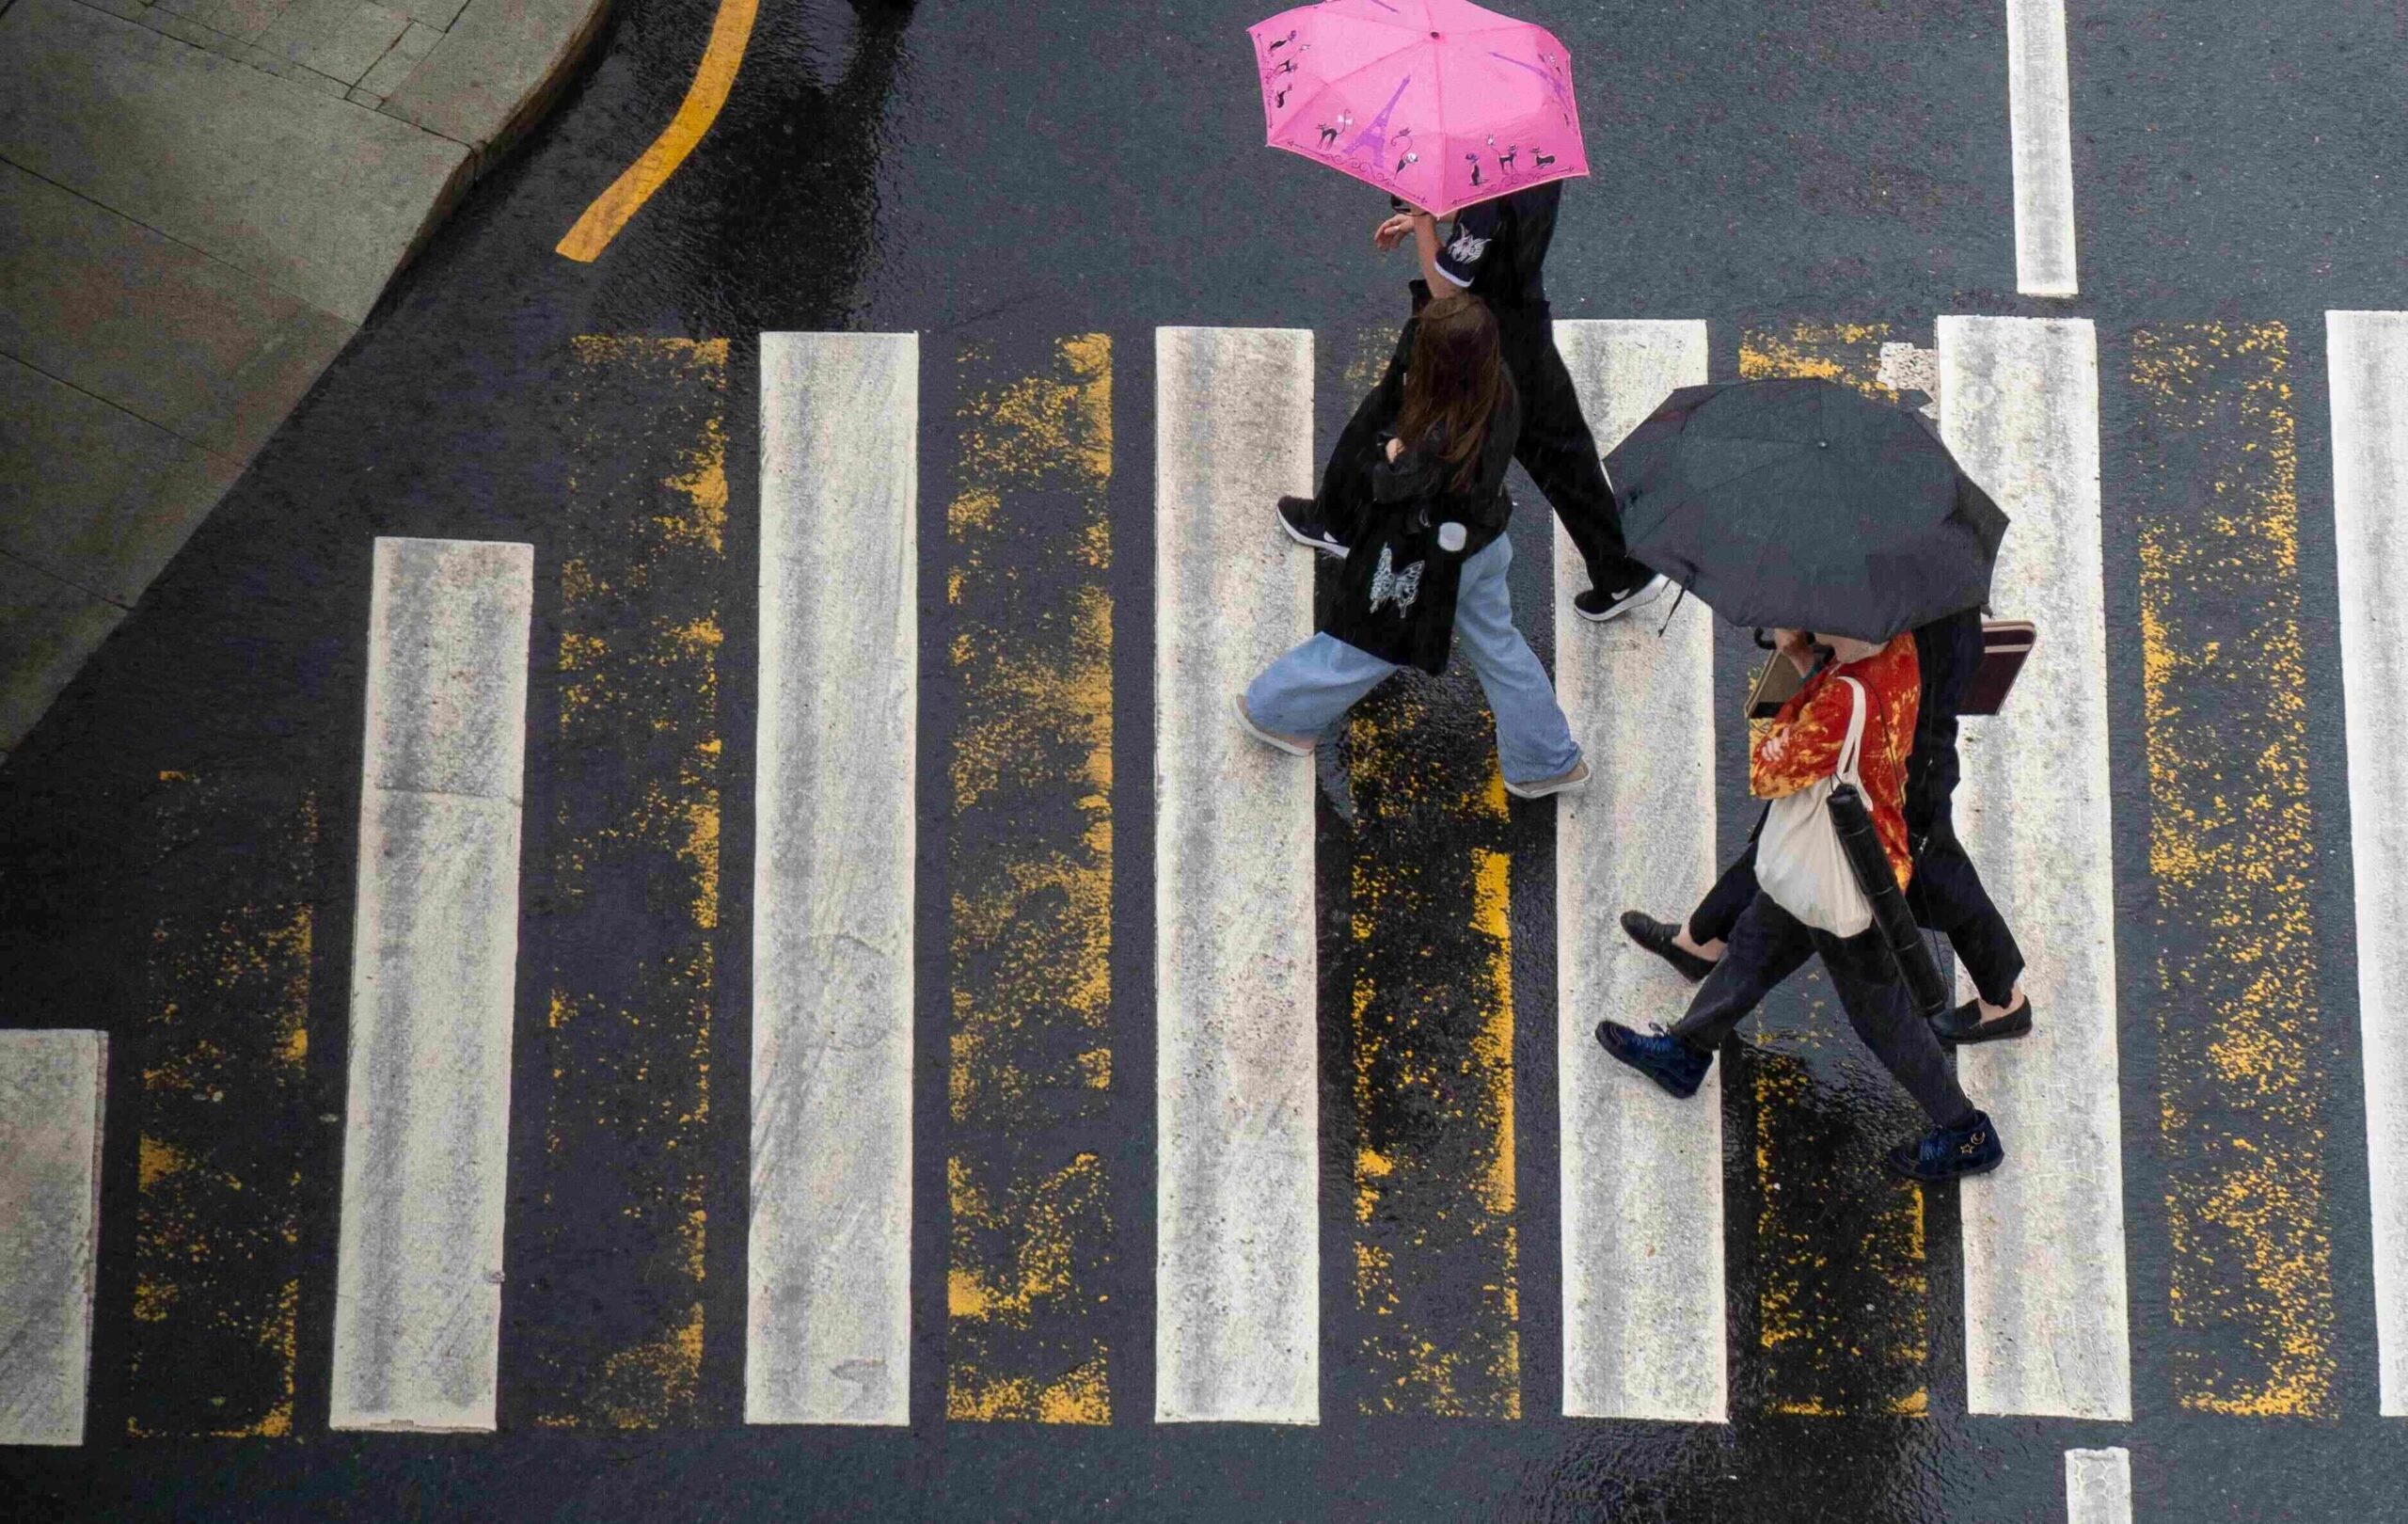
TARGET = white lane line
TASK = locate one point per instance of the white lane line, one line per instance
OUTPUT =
(435, 953)
(2368, 361)
(1237, 1269)
(50, 1089)
(2098, 1487)
(2040, 118)
(828, 1332)
(1643, 1332)
(2046, 1327)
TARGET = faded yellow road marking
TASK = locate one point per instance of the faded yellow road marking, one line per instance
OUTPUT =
(713, 78)
(1436, 1294)
(632, 932)
(1843, 1316)
(225, 1117)
(2232, 851)
(1030, 860)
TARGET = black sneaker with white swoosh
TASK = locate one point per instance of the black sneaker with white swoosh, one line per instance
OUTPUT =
(1600, 604)
(1303, 522)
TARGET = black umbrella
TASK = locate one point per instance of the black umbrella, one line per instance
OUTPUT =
(1805, 504)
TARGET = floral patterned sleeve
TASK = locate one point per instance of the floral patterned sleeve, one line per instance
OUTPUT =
(1801, 747)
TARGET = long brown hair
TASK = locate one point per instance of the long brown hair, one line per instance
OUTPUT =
(1453, 384)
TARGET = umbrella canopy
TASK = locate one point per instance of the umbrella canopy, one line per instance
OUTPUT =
(1437, 101)
(1808, 505)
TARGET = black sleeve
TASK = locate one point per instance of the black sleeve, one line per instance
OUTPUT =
(1477, 226)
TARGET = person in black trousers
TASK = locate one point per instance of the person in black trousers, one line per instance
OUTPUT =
(1946, 894)
(1495, 252)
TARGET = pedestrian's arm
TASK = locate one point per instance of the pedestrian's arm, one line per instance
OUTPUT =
(1425, 243)
(1803, 750)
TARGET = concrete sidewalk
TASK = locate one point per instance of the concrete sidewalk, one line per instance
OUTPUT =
(200, 202)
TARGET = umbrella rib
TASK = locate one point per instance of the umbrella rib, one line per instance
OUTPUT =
(1328, 85)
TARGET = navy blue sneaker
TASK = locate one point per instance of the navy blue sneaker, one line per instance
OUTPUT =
(1970, 1148)
(1661, 1056)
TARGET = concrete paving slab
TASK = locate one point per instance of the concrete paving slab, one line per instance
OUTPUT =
(439, 15)
(95, 495)
(340, 39)
(260, 57)
(131, 9)
(308, 192)
(242, 18)
(47, 630)
(180, 340)
(416, 41)
(185, 30)
(492, 66)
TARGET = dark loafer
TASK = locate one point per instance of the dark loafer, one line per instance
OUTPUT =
(1946, 1154)
(1965, 1024)
(1657, 937)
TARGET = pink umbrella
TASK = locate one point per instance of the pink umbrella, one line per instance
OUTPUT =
(1437, 101)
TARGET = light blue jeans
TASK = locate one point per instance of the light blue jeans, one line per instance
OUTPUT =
(1305, 691)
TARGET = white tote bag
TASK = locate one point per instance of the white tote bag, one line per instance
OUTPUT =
(1800, 861)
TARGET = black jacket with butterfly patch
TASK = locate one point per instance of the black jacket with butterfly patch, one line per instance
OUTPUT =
(1396, 595)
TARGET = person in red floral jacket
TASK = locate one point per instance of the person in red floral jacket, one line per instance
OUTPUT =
(1799, 748)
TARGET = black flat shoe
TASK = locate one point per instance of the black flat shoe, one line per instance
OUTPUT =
(1965, 1024)
(1657, 937)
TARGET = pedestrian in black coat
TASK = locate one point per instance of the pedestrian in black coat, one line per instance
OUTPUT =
(1495, 251)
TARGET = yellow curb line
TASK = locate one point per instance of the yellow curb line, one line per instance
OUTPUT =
(716, 75)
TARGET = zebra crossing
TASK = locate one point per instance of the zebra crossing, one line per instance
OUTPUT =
(1238, 1327)
(1644, 1325)
(828, 1326)
(2046, 1327)
(426, 1144)
(1237, 1271)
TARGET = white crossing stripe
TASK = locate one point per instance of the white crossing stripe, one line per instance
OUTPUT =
(2098, 1487)
(1643, 1330)
(50, 1089)
(2046, 1328)
(828, 1332)
(1237, 1269)
(2040, 120)
(2368, 360)
(418, 1284)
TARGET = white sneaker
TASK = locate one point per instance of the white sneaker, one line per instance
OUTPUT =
(1562, 782)
(1276, 740)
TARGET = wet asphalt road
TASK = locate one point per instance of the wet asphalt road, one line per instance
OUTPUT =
(997, 177)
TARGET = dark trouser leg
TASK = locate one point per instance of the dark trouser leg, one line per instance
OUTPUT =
(1767, 945)
(1947, 895)
(1883, 1014)
(1724, 904)
(1561, 453)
